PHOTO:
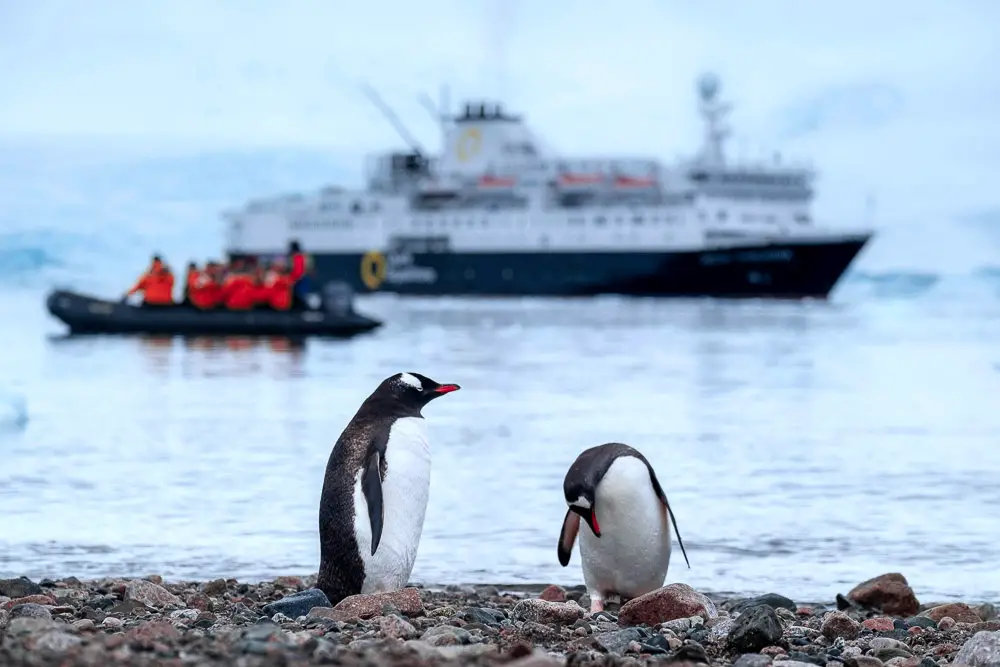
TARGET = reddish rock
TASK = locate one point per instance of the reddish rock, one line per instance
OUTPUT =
(151, 632)
(879, 624)
(200, 601)
(915, 630)
(961, 612)
(946, 623)
(772, 651)
(553, 593)
(889, 592)
(294, 583)
(29, 599)
(838, 624)
(944, 649)
(406, 601)
(666, 604)
(804, 611)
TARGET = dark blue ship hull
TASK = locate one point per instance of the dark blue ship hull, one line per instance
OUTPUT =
(796, 269)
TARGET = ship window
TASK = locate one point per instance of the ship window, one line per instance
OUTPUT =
(356, 207)
(721, 215)
(637, 219)
(801, 218)
(600, 220)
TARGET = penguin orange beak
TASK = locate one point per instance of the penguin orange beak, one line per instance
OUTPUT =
(446, 388)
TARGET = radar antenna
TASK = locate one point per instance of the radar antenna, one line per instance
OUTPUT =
(393, 119)
(713, 111)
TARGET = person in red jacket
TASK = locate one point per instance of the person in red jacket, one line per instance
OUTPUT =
(206, 292)
(237, 289)
(156, 285)
(278, 286)
(260, 291)
(300, 275)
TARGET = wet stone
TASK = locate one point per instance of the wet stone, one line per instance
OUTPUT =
(298, 604)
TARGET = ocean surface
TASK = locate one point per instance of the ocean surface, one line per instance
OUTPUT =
(804, 446)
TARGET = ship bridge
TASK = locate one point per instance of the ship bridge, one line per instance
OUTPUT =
(483, 136)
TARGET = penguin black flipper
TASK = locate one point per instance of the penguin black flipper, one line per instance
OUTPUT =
(663, 499)
(371, 485)
(567, 536)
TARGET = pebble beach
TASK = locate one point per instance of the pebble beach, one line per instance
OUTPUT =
(148, 621)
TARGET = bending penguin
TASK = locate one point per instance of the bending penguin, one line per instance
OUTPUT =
(375, 490)
(625, 550)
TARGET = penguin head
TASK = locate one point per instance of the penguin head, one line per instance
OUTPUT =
(580, 498)
(415, 389)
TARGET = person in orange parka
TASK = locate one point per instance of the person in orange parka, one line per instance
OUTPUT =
(238, 288)
(156, 285)
(278, 285)
(206, 292)
(260, 291)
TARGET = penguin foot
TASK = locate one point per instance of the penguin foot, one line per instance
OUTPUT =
(596, 606)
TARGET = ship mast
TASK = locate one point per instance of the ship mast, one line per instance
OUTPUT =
(713, 112)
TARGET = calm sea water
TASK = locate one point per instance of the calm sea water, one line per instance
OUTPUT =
(804, 447)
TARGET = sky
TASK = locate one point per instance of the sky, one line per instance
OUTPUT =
(897, 100)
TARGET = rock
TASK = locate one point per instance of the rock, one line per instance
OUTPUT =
(753, 660)
(879, 624)
(921, 622)
(84, 625)
(483, 615)
(215, 587)
(294, 583)
(406, 601)
(112, 623)
(553, 593)
(959, 611)
(666, 604)
(946, 623)
(838, 624)
(981, 650)
(754, 629)
(986, 611)
(868, 661)
(886, 642)
(298, 604)
(886, 654)
(890, 593)
(30, 610)
(150, 594)
(446, 635)
(32, 599)
(55, 640)
(396, 627)
(543, 611)
(617, 641)
(19, 587)
(772, 600)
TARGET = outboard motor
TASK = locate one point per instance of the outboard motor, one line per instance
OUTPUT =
(338, 298)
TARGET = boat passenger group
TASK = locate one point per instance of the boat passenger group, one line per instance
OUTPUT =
(235, 285)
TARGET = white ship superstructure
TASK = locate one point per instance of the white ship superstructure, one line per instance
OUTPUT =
(494, 190)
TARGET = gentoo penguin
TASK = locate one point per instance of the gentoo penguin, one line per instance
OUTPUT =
(626, 551)
(375, 490)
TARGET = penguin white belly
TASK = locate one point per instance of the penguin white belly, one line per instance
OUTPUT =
(631, 556)
(404, 501)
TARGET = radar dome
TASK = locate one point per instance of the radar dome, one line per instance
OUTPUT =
(708, 85)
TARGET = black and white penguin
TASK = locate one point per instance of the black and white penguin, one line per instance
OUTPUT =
(375, 490)
(626, 549)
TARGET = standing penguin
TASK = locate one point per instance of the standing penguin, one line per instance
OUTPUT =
(375, 490)
(626, 551)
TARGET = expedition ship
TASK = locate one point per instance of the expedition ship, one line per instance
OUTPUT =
(496, 214)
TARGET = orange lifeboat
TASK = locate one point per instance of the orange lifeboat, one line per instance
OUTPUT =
(634, 181)
(490, 181)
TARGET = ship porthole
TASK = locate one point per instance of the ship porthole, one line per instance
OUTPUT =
(507, 274)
